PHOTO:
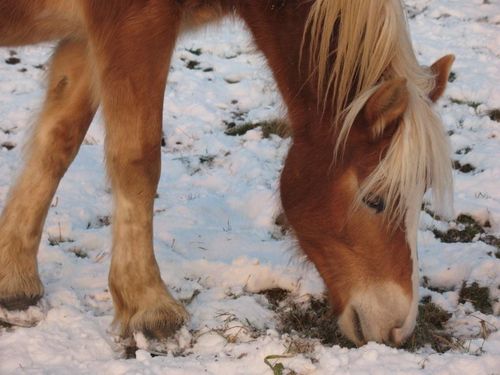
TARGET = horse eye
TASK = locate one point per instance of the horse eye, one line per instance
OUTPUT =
(375, 202)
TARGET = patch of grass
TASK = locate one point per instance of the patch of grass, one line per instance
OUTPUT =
(193, 65)
(312, 320)
(8, 145)
(231, 332)
(237, 115)
(282, 223)
(466, 220)
(470, 229)
(478, 296)
(471, 104)
(79, 253)
(494, 114)
(56, 240)
(207, 159)
(464, 151)
(5, 324)
(232, 81)
(275, 296)
(13, 60)
(492, 241)
(464, 168)
(195, 51)
(187, 301)
(427, 284)
(277, 127)
(101, 221)
(427, 210)
(276, 367)
(414, 12)
(430, 329)
(235, 130)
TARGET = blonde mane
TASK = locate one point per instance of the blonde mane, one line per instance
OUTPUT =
(373, 45)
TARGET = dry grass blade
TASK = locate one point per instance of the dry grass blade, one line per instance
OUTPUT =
(277, 367)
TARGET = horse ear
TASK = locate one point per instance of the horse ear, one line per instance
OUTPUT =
(441, 71)
(386, 105)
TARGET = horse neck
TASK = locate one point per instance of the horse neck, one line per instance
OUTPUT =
(279, 34)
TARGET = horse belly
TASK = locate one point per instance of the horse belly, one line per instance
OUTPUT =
(198, 13)
(25, 22)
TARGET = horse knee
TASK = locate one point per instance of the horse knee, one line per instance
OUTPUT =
(71, 75)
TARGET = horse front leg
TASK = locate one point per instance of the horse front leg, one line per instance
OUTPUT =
(133, 47)
(68, 110)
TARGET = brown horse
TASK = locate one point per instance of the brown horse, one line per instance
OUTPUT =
(366, 145)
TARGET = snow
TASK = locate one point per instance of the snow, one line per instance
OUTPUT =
(214, 217)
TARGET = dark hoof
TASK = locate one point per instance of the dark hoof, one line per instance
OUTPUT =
(175, 344)
(23, 312)
(159, 321)
(19, 303)
(164, 331)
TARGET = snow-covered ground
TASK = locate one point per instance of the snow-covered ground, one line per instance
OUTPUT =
(215, 236)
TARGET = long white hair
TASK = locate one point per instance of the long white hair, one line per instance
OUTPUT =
(372, 45)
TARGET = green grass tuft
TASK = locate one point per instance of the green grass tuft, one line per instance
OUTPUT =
(471, 104)
(277, 127)
(313, 321)
(478, 296)
(467, 233)
(430, 329)
(494, 114)
(464, 168)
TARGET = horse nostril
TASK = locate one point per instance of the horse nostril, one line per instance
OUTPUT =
(358, 330)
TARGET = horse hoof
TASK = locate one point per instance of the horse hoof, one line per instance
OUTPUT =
(160, 321)
(19, 291)
(168, 321)
(175, 344)
(19, 303)
(164, 330)
(17, 312)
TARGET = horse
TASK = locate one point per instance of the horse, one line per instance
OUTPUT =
(366, 145)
